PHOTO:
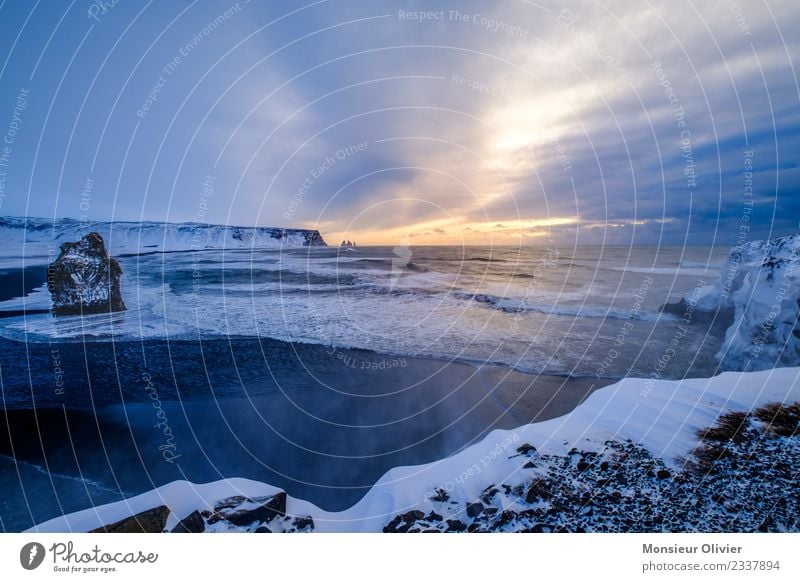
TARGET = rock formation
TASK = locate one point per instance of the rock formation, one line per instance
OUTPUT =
(150, 521)
(757, 299)
(84, 279)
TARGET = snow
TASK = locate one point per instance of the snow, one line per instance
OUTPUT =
(760, 284)
(662, 416)
(38, 239)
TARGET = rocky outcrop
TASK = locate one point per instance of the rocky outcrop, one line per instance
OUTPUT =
(84, 279)
(314, 239)
(150, 521)
(242, 511)
(757, 300)
(741, 478)
(192, 523)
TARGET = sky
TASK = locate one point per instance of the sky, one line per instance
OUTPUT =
(435, 122)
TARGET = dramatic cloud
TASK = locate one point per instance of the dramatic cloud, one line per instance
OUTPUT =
(445, 122)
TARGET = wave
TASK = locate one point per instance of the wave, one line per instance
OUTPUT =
(45, 471)
(510, 305)
(487, 260)
(466, 260)
(678, 270)
(706, 266)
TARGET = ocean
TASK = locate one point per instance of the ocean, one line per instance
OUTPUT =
(318, 369)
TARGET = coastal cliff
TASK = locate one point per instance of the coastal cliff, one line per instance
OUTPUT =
(757, 300)
(37, 236)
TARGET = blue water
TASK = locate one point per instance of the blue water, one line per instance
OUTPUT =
(318, 370)
(543, 310)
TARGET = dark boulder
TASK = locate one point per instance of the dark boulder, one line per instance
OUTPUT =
(403, 523)
(84, 279)
(456, 525)
(264, 512)
(474, 509)
(150, 521)
(303, 524)
(192, 523)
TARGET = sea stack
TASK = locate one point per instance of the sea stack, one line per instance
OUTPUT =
(84, 279)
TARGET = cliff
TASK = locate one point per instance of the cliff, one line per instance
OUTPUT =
(34, 236)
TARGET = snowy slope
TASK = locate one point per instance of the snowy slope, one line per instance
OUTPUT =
(36, 237)
(662, 416)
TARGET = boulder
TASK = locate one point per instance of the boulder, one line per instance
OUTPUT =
(192, 523)
(84, 279)
(150, 521)
(456, 525)
(263, 512)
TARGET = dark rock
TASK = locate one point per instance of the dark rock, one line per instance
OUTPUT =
(538, 491)
(262, 529)
(505, 518)
(663, 474)
(395, 526)
(304, 523)
(230, 502)
(474, 509)
(433, 516)
(582, 466)
(440, 495)
(456, 525)
(721, 316)
(192, 523)
(488, 493)
(314, 239)
(528, 465)
(274, 506)
(403, 523)
(526, 449)
(84, 279)
(150, 521)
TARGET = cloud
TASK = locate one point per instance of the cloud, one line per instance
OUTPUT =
(625, 122)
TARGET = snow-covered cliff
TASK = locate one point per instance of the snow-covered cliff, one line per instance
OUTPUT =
(757, 296)
(34, 236)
